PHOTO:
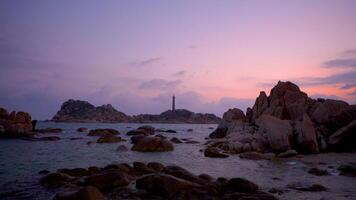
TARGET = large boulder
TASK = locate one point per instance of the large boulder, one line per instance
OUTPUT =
(108, 179)
(214, 152)
(260, 106)
(231, 119)
(306, 135)
(109, 139)
(323, 111)
(15, 124)
(152, 144)
(278, 132)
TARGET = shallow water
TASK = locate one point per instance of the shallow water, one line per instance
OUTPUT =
(22, 160)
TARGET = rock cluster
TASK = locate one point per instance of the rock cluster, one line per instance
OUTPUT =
(287, 119)
(151, 181)
(14, 124)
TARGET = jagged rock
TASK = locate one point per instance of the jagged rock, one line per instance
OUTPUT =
(306, 135)
(260, 106)
(344, 138)
(103, 132)
(83, 111)
(152, 144)
(278, 132)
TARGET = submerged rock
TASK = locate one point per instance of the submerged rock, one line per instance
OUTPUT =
(307, 187)
(348, 169)
(318, 172)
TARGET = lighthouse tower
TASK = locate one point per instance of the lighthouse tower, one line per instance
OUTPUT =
(173, 103)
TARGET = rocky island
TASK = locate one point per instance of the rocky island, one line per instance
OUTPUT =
(83, 111)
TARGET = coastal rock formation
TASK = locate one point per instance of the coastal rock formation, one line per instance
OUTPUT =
(83, 111)
(177, 116)
(15, 124)
(151, 181)
(287, 119)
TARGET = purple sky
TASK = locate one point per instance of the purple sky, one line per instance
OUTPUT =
(135, 55)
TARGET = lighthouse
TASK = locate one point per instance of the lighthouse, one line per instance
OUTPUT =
(173, 103)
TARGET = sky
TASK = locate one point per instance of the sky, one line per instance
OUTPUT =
(212, 55)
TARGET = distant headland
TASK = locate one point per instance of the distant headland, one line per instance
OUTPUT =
(83, 111)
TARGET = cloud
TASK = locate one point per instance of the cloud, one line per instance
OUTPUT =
(348, 86)
(352, 93)
(180, 73)
(342, 63)
(146, 62)
(160, 84)
(347, 78)
(349, 52)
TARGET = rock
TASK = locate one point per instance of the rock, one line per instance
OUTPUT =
(138, 132)
(242, 185)
(134, 139)
(152, 144)
(158, 167)
(307, 187)
(109, 139)
(77, 172)
(192, 142)
(122, 148)
(318, 172)
(55, 180)
(164, 185)
(83, 111)
(142, 168)
(344, 138)
(246, 147)
(76, 138)
(108, 179)
(85, 193)
(161, 136)
(219, 133)
(182, 173)
(189, 130)
(306, 135)
(348, 169)
(49, 130)
(176, 140)
(324, 111)
(149, 130)
(82, 129)
(261, 104)
(103, 132)
(34, 124)
(256, 156)
(278, 132)
(206, 177)
(214, 152)
(15, 125)
(170, 131)
(233, 115)
(288, 153)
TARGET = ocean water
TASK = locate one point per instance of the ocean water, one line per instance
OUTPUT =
(20, 160)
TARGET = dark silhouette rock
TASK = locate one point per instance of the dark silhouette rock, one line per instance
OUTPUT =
(15, 124)
(83, 111)
(108, 179)
(55, 180)
(77, 172)
(348, 169)
(242, 185)
(318, 172)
